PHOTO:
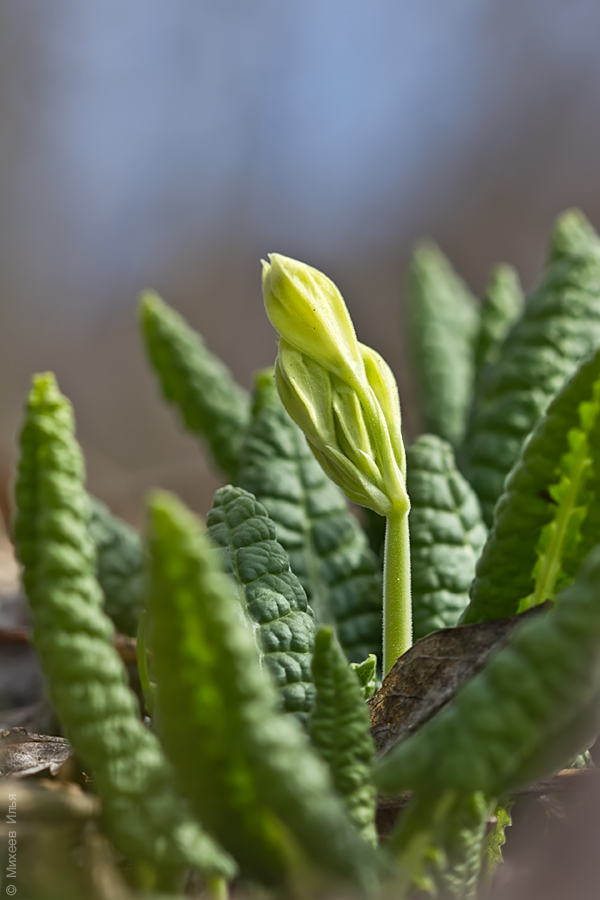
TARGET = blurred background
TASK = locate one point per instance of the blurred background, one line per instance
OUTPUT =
(172, 144)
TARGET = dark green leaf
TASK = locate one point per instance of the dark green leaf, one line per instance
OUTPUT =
(446, 534)
(271, 594)
(444, 324)
(244, 764)
(120, 566)
(559, 328)
(530, 710)
(326, 546)
(502, 305)
(547, 518)
(212, 406)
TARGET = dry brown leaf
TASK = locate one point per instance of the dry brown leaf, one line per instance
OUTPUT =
(426, 677)
(23, 754)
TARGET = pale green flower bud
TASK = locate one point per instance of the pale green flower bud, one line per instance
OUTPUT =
(346, 428)
(307, 309)
(383, 384)
(304, 386)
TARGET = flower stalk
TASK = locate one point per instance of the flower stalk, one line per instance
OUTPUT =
(344, 397)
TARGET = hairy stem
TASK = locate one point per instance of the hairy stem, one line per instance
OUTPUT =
(217, 888)
(397, 612)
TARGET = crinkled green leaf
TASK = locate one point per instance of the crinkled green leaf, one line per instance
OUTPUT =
(74, 641)
(531, 709)
(438, 844)
(246, 766)
(327, 548)
(559, 328)
(502, 305)
(272, 595)
(120, 566)
(547, 518)
(493, 843)
(197, 383)
(366, 672)
(446, 535)
(444, 325)
(458, 841)
(339, 730)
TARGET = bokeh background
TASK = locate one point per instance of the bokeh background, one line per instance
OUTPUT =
(172, 144)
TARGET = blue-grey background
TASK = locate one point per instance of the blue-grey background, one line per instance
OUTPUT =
(172, 143)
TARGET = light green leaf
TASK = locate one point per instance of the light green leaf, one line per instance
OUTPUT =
(73, 638)
(339, 731)
(366, 672)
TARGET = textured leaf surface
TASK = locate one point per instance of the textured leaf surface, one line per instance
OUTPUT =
(547, 518)
(326, 546)
(120, 566)
(559, 328)
(272, 595)
(502, 305)
(74, 640)
(339, 730)
(530, 710)
(245, 765)
(197, 383)
(428, 675)
(446, 535)
(366, 672)
(494, 842)
(444, 327)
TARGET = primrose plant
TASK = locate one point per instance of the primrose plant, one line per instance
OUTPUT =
(259, 631)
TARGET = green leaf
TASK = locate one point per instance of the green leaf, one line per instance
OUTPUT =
(502, 305)
(438, 843)
(462, 838)
(559, 328)
(245, 766)
(74, 641)
(493, 843)
(326, 546)
(271, 594)
(531, 708)
(446, 535)
(339, 730)
(198, 384)
(366, 672)
(546, 520)
(444, 322)
(120, 566)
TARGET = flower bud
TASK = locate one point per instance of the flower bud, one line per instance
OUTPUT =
(308, 311)
(383, 384)
(341, 393)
